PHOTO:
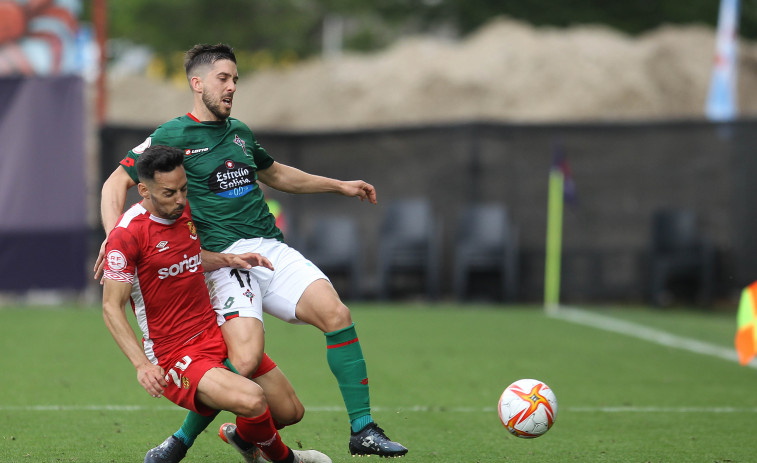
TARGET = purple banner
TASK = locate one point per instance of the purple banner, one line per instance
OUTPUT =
(43, 221)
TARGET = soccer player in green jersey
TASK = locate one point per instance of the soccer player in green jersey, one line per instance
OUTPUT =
(224, 163)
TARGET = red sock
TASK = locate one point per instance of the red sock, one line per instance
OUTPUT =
(261, 432)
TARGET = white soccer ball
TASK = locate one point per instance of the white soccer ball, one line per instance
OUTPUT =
(527, 408)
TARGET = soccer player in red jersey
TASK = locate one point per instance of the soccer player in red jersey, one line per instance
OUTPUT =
(225, 166)
(154, 260)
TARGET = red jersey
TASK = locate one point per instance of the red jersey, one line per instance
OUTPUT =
(161, 259)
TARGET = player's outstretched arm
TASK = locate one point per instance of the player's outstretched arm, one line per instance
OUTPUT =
(215, 260)
(291, 180)
(111, 207)
(115, 297)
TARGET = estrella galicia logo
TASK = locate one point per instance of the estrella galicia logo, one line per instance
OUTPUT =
(232, 179)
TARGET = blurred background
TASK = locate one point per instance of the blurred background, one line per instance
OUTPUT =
(456, 110)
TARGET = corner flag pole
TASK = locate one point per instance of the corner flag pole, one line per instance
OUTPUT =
(554, 241)
(746, 333)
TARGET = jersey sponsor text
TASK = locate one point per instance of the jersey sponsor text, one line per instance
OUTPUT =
(188, 264)
(232, 180)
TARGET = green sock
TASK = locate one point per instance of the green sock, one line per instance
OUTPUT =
(228, 365)
(195, 423)
(345, 358)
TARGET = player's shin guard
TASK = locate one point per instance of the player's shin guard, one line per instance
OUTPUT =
(345, 358)
(260, 431)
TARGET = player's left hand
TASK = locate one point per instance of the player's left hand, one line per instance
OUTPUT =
(361, 189)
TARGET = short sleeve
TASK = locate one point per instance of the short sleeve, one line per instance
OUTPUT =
(121, 255)
(262, 159)
(129, 163)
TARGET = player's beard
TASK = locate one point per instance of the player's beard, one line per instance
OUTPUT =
(215, 107)
(168, 214)
(176, 213)
(163, 211)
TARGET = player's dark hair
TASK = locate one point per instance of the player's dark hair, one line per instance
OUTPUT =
(158, 158)
(204, 54)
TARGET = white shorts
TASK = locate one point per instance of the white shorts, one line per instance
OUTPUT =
(249, 293)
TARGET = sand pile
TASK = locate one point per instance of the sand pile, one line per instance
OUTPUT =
(507, 71)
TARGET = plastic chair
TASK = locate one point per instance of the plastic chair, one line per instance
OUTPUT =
(409, 241)
(333, 244)
(680, 254)
(486, 242)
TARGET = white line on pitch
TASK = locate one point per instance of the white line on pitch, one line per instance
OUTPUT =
(603, 322)
(413, 409)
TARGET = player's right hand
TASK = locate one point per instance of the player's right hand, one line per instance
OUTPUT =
(100, 262)
(152, 378)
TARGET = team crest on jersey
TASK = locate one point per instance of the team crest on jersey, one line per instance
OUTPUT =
(185, 382)
(240, 142)
(249, 294)
(116, 260)
(192, 230)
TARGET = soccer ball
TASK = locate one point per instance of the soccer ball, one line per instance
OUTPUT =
(527, 408)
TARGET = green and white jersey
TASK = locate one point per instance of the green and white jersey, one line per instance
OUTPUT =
(221, 160)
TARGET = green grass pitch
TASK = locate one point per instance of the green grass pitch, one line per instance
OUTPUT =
(67, 394)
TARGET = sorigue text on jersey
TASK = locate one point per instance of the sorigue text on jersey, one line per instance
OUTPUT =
(188, 264)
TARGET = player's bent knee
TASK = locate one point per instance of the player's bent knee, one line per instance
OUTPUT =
(250, 404)
(336, 316)
(292, 415)
(299, 413)
(245, 362)
(320, 306)
(342, 315)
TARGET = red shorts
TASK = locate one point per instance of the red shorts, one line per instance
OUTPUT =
(187, 365)
(266, 364)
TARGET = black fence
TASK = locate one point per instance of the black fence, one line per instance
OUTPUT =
(623, 174)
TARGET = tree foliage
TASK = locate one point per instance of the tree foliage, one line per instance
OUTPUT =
(294, 27)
